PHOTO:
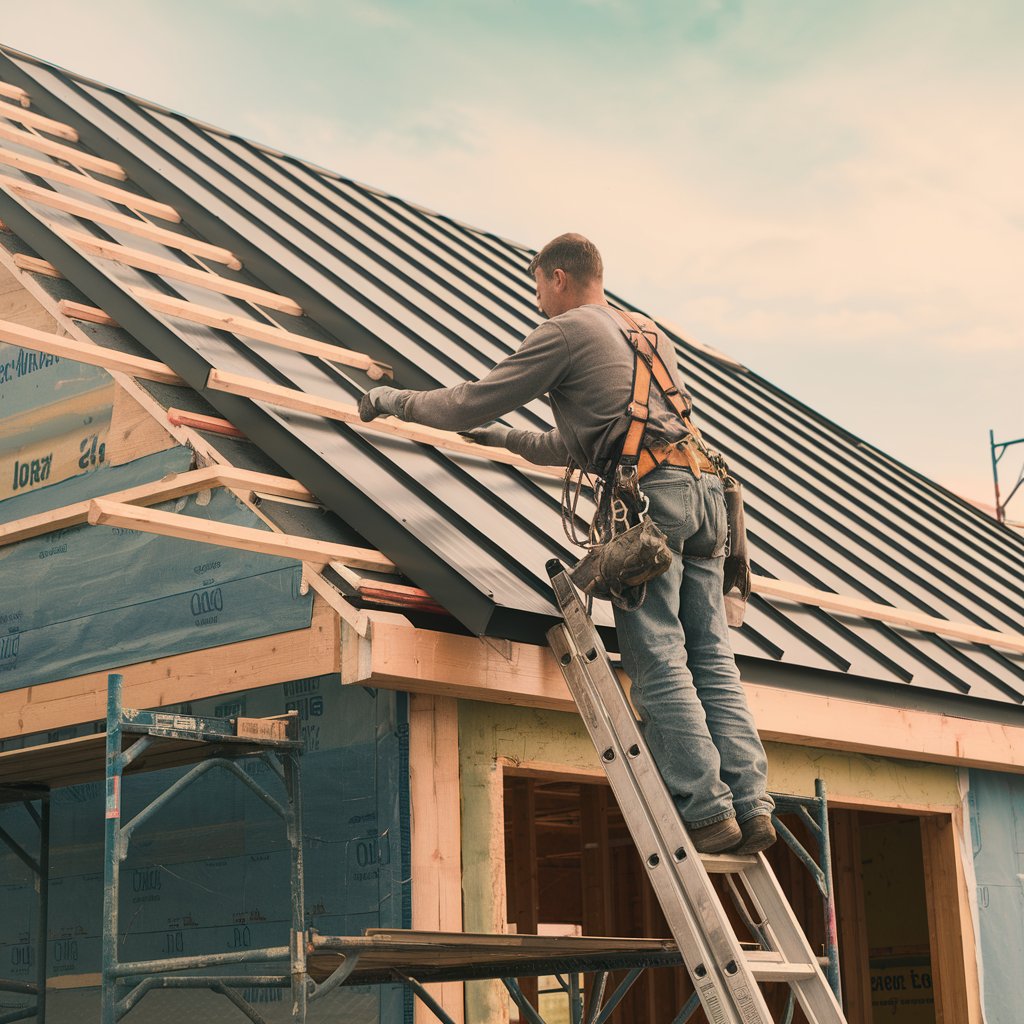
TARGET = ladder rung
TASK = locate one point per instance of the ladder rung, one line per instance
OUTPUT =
(763, 971)
(727, 863)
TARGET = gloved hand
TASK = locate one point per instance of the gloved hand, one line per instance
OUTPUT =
(495, 435)
(378, 402)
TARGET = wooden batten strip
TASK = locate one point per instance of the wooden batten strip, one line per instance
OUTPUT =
(245, 538)
(177, 485)
(179, 272)
(34, 265)
(866, 609)
(247, 328)
(290, 398)
(94, 355)
(32, 120)
(75, 157)
(13, 92)
(89, 211)
(211, 424)
(90, 314)
(66, 176)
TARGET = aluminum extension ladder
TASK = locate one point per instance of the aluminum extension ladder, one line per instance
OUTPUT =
(725, 977)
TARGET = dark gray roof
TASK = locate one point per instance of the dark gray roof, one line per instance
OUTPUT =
(442, 302)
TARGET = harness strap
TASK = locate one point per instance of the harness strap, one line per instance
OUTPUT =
(648, 364)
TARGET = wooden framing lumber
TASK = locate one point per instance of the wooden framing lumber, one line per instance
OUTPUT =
(66, 176)
(436, 830)
(230, 668)
(111, 218)
(179, 272)
(94, 355)
(90, 314)
(30, 119)
(196, 420)
(34, 265)
(103, 512)
(396, 655)
(177, 485)
(329, 408)
(73, 156)
(866, 609)
(272, 335)
(13, 92)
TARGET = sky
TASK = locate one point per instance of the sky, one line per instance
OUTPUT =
(828, 191)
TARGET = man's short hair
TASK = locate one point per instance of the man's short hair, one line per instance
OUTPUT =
(574, 254)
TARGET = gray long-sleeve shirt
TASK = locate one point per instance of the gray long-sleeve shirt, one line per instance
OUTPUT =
(583, 360)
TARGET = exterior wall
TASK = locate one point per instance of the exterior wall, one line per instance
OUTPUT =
(996, 804)
(210, 872)
(493, 738)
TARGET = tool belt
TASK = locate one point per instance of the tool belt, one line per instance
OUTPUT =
(683, 452)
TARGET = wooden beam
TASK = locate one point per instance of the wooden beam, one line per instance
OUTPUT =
(120, 221)
(30, 119)
(34, 265)
(954, 968)
(103, 512)
(93, 355)
(436, 858)
(179, 272)
(866, 609)
(75, 157)
(179, 678)
(90, 314)
(177, 485)
(397, 656)
(12, 92)
(66, 176)
(212, 424)
(272, 335)
(344, 412)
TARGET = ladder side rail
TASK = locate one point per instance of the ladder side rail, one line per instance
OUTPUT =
(816, 997)
(706, 945)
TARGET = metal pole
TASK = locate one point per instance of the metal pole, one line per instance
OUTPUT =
(111, 853)
(831, 930)
(292, 766)
(995, 472)
(43, 880)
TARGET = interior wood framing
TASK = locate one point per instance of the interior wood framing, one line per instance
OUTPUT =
(111, 218)
(199, 421)
(34, 265)
(66, 176)
(93, 246)
(73, 156)
(87, 352)
(90, 314)
(31, 119)
(269, 333)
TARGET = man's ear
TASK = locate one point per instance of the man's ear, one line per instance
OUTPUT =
(559, 278)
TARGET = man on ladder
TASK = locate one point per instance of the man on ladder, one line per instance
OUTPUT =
(675, 646)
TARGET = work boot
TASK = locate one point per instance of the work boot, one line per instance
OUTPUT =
(717, 838)
(758, 834)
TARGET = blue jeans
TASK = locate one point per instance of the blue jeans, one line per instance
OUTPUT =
(676, 650)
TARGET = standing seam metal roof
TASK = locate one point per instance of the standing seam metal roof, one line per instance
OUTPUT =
(442, 302)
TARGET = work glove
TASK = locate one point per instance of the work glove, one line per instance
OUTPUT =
(376, 402)
(495, 435)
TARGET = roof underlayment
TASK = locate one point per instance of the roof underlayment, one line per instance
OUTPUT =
(442, 302)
